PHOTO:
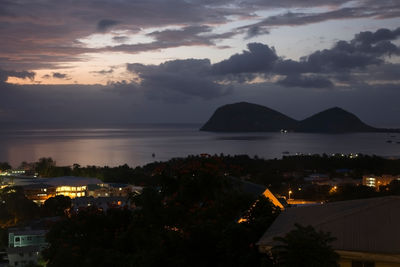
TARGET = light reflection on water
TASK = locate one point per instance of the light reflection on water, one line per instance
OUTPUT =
(135, 145)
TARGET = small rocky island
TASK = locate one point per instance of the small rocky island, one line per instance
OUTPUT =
(248, 117)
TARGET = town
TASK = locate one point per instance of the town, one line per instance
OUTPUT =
(230, 208)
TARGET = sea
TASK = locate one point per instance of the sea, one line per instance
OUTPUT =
(137, 145)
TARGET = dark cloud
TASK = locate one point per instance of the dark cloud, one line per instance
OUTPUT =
(306, 81)
(179, 79)
(96, 105)
(103, 72)
(59, 75)
(187, 36)
(380, 35)
(322, 66)
(5, 74)
(297, 19)
(43, 33)
(199, 78)
(256, 30)
(259, 58)
(120, 39)
(105, 24)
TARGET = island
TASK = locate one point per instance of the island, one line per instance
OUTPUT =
(248, 117)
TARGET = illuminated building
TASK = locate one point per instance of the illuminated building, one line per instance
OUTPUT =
(39, 190)
(376, 181)
(70, 186)
(71, 191)
(39, 193)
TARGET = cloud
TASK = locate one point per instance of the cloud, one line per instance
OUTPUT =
(306, 81)
(105, 24)
(380, 35)
(179, 80)
(199, 78)
(59, 75)
(258, 58)
(322, 66)
(48, 39)
(5, 74)
(103, 72)
(256, 30)
(120, 39)
(302, 18)
(186, 36)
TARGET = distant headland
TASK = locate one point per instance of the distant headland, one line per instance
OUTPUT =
(248, 117)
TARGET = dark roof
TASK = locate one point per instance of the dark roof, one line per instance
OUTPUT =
(253, 189)
(36, 186)
(69, 181)
(365, 225)
(116, 185)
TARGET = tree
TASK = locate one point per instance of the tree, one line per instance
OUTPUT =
(15, 207)
(44, 165)
(304, 246)
(56, 206)
(4, 166)
(189, 219)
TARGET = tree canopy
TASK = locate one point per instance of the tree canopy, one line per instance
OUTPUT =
(305, 247)
(189, 219)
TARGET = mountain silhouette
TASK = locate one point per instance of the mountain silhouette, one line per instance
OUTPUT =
(248, 117)
(334, 120)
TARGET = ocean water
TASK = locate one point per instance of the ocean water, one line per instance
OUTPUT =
(135, 145)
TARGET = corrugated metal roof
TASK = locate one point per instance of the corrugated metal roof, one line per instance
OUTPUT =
(367, 225)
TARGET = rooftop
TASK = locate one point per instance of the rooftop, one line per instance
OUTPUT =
(367, 225)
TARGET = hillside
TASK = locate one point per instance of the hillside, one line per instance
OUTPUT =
(334, 120)
(247, 117)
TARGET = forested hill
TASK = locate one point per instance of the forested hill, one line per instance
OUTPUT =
(248, 117)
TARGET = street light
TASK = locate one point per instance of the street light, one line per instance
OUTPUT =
(290, 192)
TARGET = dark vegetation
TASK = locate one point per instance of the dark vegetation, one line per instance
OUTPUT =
(305, 247)
(189, 219)
(17, 210)
(188, 212)
(279, 175)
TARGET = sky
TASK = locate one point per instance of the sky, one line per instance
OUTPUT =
(97, 62)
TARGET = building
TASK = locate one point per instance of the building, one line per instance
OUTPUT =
(39, 193)
(70, 186)
(257, 190)
(367, 230)
(339, 181)
(112, 190)
(123, 190)
(40, 189)
(376, 181)
(24, 237)
(24, 245)
(102, 203)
